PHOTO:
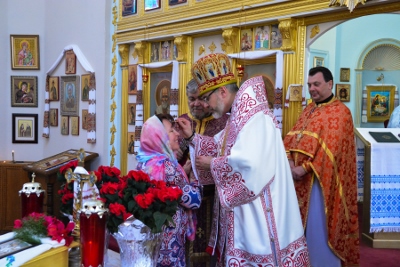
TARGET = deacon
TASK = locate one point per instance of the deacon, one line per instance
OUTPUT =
(322, 156)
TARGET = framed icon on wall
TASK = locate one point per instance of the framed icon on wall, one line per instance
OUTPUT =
(24, 91)
(25, 52)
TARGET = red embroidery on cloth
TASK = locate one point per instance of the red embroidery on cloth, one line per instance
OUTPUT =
(207, 147)
(230, 184)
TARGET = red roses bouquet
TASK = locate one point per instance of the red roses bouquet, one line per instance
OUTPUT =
(152, 202)
(36, 226)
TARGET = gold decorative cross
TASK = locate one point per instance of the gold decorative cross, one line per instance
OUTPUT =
(81, 176)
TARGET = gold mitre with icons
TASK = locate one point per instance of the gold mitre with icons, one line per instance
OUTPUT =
(212, 71)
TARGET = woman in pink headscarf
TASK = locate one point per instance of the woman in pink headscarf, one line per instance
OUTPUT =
(157, 157)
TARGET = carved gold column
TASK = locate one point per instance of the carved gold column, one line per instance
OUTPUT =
(123, 51)
(142, 50)
(231, 38)
(287, 28)
(231, 45)
(113, 84)
(293, 45)
(184, 47)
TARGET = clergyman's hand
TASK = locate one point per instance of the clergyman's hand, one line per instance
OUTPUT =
(187, 167)
(203, 162)
(291, 163)
(185, 126)
(298, 173)
(179, 154)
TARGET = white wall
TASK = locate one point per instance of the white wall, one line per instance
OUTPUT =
(326, 44)
(58, 24)
(355, 35)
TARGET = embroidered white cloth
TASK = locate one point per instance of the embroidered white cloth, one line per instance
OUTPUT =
(278, 76)
(26, 255)
(360, 157)
(259, 216)
(6, 237)
(263, 54)
(174, 78)
(91, 135)
(20, 258)
(88, 192)
(154, 65)
(385, 182)
(79, 55)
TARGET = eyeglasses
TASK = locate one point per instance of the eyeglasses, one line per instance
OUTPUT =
(207, 98)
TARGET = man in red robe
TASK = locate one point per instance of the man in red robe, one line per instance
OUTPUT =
(322, 156)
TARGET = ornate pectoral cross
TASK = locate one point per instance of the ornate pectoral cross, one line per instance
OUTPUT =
(80, 176)
(299, 136)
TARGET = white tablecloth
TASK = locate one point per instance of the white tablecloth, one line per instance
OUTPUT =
(19, 258)
(385, 180)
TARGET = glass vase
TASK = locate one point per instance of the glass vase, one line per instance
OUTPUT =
(138, 246)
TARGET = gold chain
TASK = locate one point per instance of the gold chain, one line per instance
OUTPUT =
(300, 135)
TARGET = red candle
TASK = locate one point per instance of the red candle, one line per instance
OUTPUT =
(93, 219)
(32, 197)
(31, 203)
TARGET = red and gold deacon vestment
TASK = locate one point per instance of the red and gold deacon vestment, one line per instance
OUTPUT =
(322, 141)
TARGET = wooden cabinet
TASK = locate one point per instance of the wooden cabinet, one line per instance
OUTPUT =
(14, 175)
(12, 178)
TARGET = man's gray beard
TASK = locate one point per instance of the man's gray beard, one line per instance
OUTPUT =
(216, 115)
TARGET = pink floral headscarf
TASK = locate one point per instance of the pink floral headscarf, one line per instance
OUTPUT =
(154, 149)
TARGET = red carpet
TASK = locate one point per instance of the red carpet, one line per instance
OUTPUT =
(376, 257)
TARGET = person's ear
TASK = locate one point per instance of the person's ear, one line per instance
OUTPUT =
(330, 84)
(223, 91)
